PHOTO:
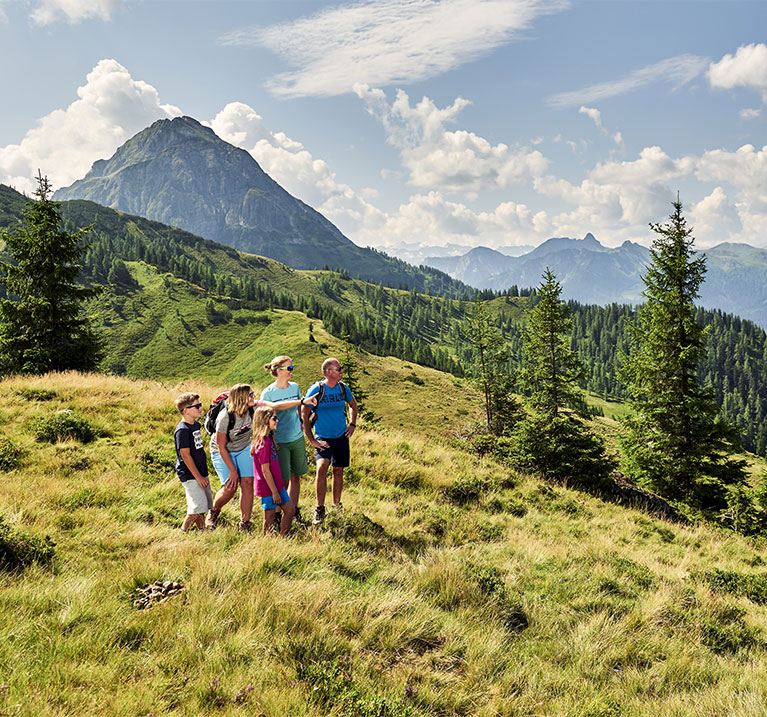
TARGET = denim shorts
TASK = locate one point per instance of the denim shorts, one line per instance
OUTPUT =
(242, 460)
(267, 503)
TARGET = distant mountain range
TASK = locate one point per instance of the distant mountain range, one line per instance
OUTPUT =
(594, 274)
(417, 253)
(181, 173)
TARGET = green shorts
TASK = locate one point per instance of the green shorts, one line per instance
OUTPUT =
(292, 459)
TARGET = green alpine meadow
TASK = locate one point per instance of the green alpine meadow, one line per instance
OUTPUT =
(552, 508)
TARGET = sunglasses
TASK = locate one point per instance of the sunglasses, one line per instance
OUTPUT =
(195, 405)
(286, 368)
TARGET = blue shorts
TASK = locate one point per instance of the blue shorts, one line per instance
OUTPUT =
(268, 503)
(242, 460)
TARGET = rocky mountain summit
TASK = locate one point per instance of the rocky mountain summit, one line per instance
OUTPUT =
(181, 173)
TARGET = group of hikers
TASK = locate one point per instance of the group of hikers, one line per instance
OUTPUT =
(258, 445)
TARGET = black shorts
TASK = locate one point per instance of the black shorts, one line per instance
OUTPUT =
(337, 451)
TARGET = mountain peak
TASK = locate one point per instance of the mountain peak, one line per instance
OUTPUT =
(588, 243)
(179, 172)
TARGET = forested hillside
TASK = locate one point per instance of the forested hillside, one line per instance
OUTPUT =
(228, 286)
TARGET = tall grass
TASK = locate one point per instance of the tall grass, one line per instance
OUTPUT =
(447, 587)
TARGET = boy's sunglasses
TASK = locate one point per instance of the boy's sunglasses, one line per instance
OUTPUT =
(195, 405)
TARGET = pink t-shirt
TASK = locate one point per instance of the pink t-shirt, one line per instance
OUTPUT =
(267, 454)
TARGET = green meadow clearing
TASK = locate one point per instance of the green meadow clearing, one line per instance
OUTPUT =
(448, 586)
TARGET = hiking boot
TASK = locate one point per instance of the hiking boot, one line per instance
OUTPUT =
(319, 515)
(337, 508)
(212, 520)
(298, 519)
(245, 526)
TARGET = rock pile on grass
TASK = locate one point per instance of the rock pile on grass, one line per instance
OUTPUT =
(156, 592)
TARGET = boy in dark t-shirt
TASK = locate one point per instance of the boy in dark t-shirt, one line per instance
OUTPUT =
(191, 465)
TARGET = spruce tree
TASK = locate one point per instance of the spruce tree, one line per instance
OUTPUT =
(42, 324)
(553, 440)
(674, 441)
(490, 370)
(551, 369)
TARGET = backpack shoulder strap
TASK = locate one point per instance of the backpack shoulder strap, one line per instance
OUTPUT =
(231, 419)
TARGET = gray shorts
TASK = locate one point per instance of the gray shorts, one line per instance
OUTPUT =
(198, 500)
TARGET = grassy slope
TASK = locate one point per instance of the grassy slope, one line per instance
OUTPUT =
(409, 600)
(168, 336)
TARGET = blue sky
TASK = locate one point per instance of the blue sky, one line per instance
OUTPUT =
(424, 122)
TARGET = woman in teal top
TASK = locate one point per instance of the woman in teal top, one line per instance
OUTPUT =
(288, 435)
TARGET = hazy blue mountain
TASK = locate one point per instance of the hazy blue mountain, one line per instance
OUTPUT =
(594, 274)
(181, 173)
(418, 253)
(478, 267)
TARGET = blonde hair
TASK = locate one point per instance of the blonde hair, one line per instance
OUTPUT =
(185, 400)
(276, 363)
(238, 398)
(261, 428)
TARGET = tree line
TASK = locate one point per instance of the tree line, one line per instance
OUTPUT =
(431, 330)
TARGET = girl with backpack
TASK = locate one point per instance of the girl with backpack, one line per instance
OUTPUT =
(266, 464)
(230, 450)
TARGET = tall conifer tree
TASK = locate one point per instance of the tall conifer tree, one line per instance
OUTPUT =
(490, 370)
(551, 370)
(674, 441)
(553, 440)
(42, 326)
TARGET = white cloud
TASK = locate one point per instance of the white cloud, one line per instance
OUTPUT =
(593, 114)
(675, 70)
(110, 108)
(745, 170)
(714, 219)
(746, 68)
(432, 219)
(750, 113)
(381, 42)
(294, 168)
(46, 12)
(446, 160)
(618, 199)
(596, 116)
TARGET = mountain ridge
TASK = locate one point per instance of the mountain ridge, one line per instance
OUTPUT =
(592, 273)
(180, 173)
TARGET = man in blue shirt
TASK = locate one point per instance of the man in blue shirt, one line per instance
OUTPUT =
(330, 433)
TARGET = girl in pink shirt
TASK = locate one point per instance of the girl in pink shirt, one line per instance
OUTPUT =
(266, 465)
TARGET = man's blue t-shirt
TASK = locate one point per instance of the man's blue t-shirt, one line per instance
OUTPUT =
(331, 410)
(288, 424)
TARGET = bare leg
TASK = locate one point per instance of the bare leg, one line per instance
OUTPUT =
(321, 484)
(338, 484)
(225, 494)
(294, 489)
(268, 521)
(246, 498)
(288, 510)
(189, 521)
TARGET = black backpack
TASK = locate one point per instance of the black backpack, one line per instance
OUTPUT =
(320, 393)
(215, 409)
